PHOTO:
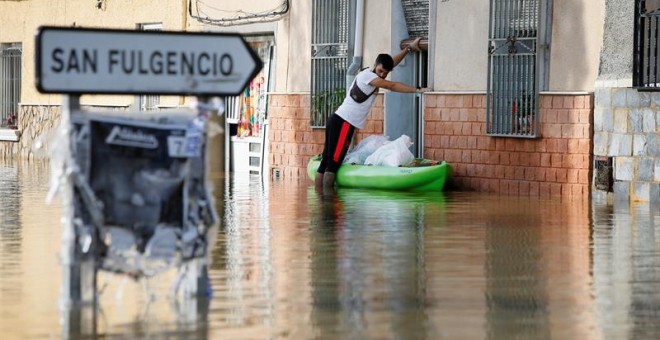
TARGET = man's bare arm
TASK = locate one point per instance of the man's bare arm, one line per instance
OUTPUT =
(414, 46)
(395, 86)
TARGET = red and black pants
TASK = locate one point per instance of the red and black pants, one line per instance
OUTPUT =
(338, 136)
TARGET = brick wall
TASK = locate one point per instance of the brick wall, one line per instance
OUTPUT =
(293, 141)
(557, 164)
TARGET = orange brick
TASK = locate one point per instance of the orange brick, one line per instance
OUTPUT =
(431, 100)
(540, 174)
(555, 189)
(557, 102)
(500, 172)
(572, 175)
(504, 158)
(556, 160)
(530, 174)
(551, 130)
(562, 145)
(577, 190)
(514, 188)
(579, 102)
(569, 102)
(549, 116)
(535, 159)
(466, 156)
(562, 116)
(583, 177)
(454, 114)
(493, 158)
(519, 173)
(473, 115)
(463, 115)
(546, 102)
(503, 187)
(571, 131)
(466, 128)
(562, 176)
(524, 158)
(584, 116)
(584, 146)
(544, 189)
(509, 172)
(514, 158)
(471, 143)
(534, 189)
(523, 188)
(467, 101)
(551, 175)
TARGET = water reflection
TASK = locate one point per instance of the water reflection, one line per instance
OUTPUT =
(367, 265)
(627, 270)
(290, 263)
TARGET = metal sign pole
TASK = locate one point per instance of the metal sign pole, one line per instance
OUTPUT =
(78, 290)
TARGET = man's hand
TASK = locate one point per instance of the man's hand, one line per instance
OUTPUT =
(415, 45)
(424, 89)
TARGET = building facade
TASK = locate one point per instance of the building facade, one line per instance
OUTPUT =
(528, 95)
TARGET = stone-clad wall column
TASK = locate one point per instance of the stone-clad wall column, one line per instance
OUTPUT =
(627, 129)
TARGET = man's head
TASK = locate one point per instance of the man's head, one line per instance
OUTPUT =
(384, 64)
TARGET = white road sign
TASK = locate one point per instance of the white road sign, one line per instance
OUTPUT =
(75, 60)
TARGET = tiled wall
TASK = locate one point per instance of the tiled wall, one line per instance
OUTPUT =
(557, 164)
(627, 129)
(293, 141)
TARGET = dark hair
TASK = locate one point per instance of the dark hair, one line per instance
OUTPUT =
(385, 60)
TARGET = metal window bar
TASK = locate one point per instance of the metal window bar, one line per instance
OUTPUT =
(512, 94)
(646, 74)
(330, 28)
(10, 85)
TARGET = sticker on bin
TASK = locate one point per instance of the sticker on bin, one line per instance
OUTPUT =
(184, 146)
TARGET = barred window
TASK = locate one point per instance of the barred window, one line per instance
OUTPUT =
(330, 29)
(10, 84)
(512, 100)
(645, 57)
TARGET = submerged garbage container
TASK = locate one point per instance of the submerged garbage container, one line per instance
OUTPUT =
(144, 196)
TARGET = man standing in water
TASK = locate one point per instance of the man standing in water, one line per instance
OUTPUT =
(352, 113)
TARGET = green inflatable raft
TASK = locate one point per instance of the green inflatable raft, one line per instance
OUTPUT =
(419, 175)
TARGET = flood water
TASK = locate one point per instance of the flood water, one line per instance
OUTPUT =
(289, 263)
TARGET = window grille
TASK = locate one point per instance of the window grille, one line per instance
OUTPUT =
(645, 58)
(512, 100)
(150, 102)
(10, 84)
(330, 29)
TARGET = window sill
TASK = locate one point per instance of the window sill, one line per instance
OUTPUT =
(9, 135)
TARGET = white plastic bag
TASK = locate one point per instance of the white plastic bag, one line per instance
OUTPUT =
(365, 148)
(394, 153)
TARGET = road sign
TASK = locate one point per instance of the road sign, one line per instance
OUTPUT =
(95, 61)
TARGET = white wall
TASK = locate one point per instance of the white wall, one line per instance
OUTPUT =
(461, 58)
(577, 39)
(293, 49)
(461, 46)
(19, 22)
